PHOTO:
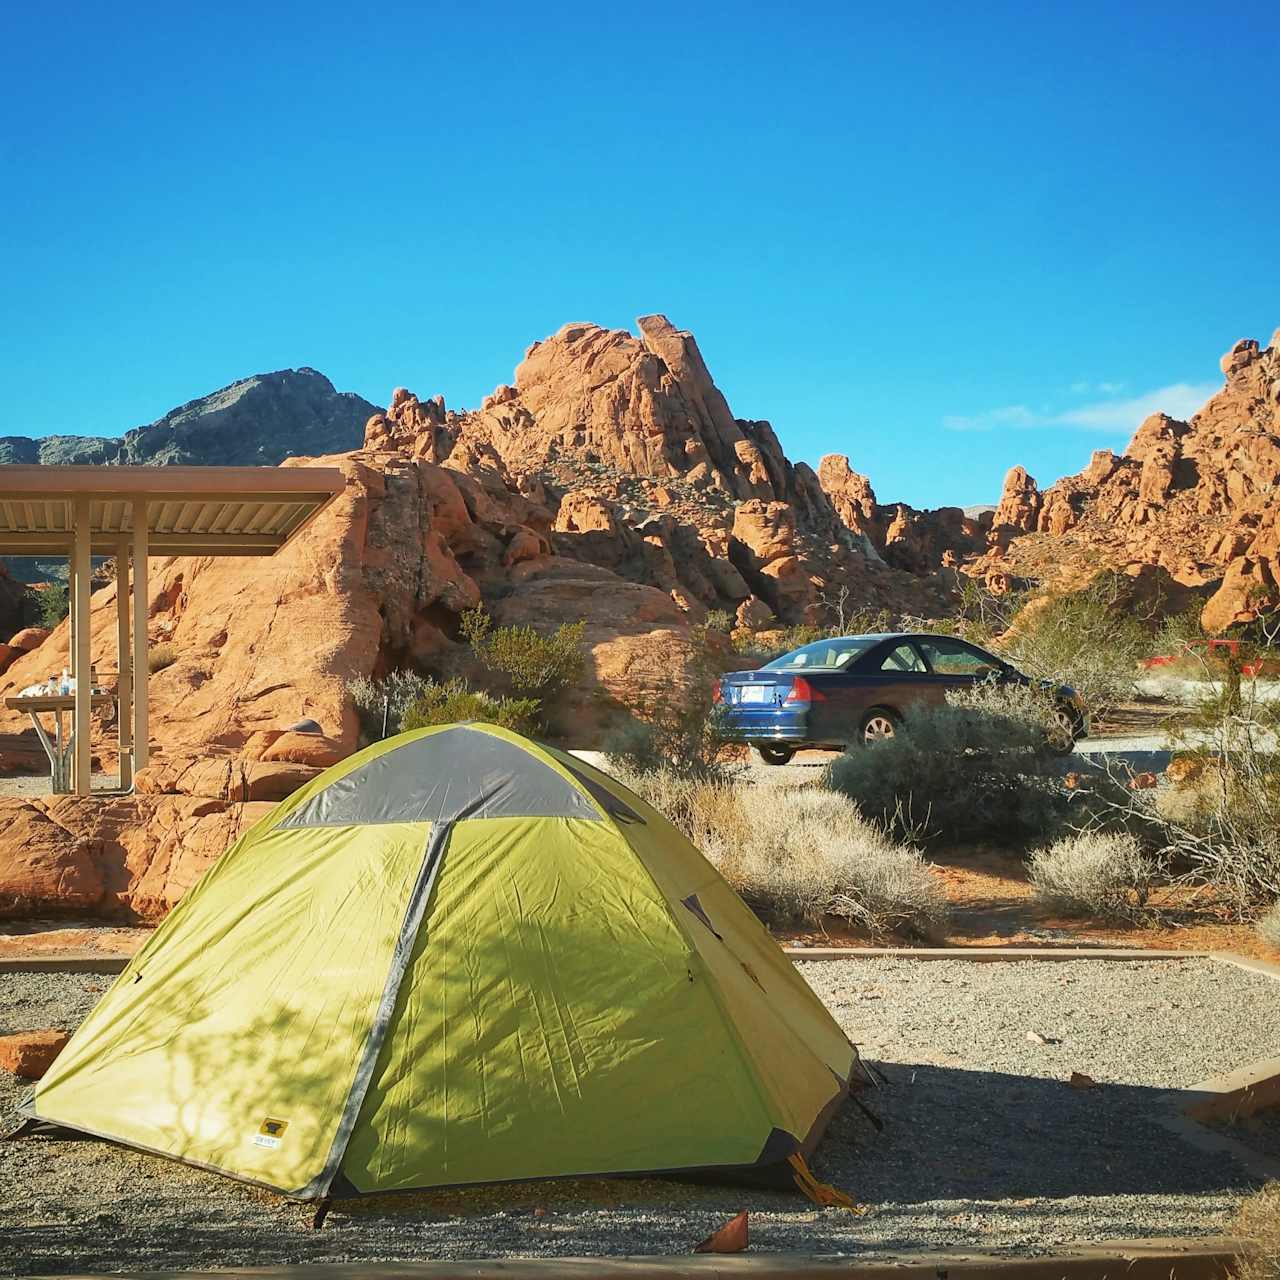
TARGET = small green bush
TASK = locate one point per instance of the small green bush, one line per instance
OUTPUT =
(534, 665)
(1091, 640)
(1099, 874)
(978, 768)
(720, 620)
(52, 603)
(453, 702)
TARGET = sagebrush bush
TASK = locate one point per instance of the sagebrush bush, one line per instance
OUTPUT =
(801, 854)
(453, 702)
(978, 768)
(1218, 825)
(1258, 1222)
(720, 620)
(1269, 925)
(391, 696)
(1103, 874)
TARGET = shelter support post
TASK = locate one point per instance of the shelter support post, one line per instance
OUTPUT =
(82, 767)
(124, 665)
(141, 609)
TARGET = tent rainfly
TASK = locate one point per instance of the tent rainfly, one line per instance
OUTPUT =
(458, 956)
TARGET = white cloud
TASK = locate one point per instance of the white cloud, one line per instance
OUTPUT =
(1178, 400)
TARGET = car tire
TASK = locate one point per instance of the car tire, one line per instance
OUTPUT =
(1066, 730)
(876, 725)
(775, 755)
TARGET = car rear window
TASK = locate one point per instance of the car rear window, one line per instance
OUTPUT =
(822, 655)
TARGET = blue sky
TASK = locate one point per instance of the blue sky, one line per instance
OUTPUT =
(941, 239)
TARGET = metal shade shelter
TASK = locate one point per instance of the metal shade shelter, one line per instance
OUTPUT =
(133, 513)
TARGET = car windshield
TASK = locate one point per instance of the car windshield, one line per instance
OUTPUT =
(822, 655)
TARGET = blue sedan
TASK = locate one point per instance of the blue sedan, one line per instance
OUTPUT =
(853, 690)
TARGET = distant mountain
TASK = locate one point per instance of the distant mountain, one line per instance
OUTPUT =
(257, 421)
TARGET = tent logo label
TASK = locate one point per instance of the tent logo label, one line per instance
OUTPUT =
(270, 1133)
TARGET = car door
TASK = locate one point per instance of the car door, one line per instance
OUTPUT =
(953, 664)
(888, 676)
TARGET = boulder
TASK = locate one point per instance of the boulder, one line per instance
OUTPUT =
(29, 1054)
(754, 614)
(30, 638)
(309, 749)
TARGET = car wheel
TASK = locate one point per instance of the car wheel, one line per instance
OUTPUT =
(877, 725)
(1064, 728)
(775, 755)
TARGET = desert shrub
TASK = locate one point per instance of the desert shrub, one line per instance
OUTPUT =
(720, 620)
(160, 656)
(1104, 874)
(391, 696)
(453, 701)
(1177, 630)
(1258, 1222)
(979, 767)
(703, 808)
(1089, 640)
(1219, 827)
(533, 664)
(809, 854)
(52, 602)
(800, 854)
(681, 729)
(1269, 925)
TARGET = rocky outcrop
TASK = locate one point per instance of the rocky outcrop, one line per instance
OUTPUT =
(916, 542)
(1019, 507)
(29, 1054)
(1195, 499)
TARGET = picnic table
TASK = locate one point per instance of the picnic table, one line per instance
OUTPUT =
(61, 747)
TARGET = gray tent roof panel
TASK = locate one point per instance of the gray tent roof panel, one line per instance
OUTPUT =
(457, 773)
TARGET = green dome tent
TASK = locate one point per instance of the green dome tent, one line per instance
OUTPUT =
(458, 956)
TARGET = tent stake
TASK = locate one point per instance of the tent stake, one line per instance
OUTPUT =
(322, 1212)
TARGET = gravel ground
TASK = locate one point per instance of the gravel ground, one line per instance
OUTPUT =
(984, 1144)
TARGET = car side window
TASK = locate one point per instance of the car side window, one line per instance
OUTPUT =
(902, 658)
(951, 658)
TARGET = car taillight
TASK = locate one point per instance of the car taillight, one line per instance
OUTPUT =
(803, 691)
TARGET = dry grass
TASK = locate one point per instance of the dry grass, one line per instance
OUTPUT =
(1100, 874)
(1269, 926)
(802, 854)
(160, 656)
(1259, 1221)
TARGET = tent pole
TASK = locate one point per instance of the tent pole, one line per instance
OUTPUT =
(141, 608)
(124, 666)
(83, 698)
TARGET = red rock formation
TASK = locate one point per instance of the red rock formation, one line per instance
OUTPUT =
(916, 542)
(610, 484)
(1194, 499)
(29, 1054)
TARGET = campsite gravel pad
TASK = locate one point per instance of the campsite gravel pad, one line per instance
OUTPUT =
(985, 1143)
